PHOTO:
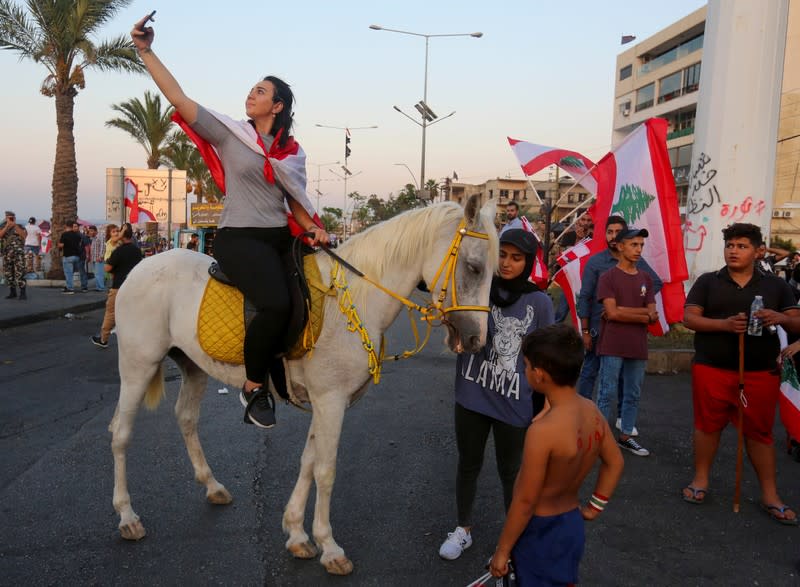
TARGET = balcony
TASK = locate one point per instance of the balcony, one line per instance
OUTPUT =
(672, 55)
(675, 134)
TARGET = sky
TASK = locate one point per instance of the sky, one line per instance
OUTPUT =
(543, 71)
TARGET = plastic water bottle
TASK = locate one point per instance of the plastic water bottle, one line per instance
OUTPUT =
(754, 326)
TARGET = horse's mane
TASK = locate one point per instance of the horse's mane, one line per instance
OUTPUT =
(397, 241)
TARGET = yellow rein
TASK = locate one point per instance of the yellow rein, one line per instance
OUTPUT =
(433, 311)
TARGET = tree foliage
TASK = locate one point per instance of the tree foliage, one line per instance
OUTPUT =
(180, 153)
(147, 123)
(60, 35)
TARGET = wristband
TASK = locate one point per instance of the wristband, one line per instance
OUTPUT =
(598, 502)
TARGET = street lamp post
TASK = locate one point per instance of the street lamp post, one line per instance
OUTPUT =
(416, 185)
(345, 170)
(344, 207)
(427, 115)
(319, 167)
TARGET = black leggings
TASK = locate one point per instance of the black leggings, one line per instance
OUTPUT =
(472, 431)
(252, 259)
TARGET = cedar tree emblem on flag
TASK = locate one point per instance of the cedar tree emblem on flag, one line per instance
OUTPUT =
(632, 203)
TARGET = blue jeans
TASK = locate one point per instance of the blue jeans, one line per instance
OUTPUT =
(588, 376)
(632, 371)
(70, 264)
(99, 276)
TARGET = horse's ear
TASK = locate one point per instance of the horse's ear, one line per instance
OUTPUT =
(472, 210)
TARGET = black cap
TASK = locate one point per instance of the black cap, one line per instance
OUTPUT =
(522, 239)
(630, 233)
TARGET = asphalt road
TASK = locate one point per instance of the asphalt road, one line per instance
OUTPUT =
(393, 499)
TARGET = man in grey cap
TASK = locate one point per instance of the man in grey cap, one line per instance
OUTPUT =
(13, 237)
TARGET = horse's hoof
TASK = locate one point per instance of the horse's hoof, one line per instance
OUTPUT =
(132, 531)
(219, 497)
(304, 550)
(339, 566)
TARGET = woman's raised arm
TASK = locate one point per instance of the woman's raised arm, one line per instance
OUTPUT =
(142, 37)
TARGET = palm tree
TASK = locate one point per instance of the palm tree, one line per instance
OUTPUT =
(180, 153)
(58, 34)
(146, 123)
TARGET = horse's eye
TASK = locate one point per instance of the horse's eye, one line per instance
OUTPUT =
(474, 268)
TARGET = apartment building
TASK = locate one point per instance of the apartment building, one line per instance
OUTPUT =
(520, 191)
(660, 77)
(786, 197)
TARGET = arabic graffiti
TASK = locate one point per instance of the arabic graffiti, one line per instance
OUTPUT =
(702, 195)
(737, 212)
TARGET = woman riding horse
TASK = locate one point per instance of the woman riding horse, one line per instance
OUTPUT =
(253, 229)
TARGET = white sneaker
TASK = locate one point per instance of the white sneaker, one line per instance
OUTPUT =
(619, 427)
(457, 542)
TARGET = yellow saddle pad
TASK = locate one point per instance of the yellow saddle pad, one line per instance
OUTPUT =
(221, 321)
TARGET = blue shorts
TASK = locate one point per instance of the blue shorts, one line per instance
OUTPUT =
(549, 550)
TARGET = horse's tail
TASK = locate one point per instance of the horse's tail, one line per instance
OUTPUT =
(155, 389)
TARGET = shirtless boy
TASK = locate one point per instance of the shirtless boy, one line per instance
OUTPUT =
(543, 534)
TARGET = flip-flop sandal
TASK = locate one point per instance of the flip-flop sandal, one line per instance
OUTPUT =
(773, 510)
(695, 497)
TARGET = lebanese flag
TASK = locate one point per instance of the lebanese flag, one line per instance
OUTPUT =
(132, 202)
(635, 181)
(533, 158)
(539, 273)
(47, 242)
(572, 262)
(789, 398)
(285, 164)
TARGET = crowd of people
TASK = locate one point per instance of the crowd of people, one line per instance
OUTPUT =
(539, 384)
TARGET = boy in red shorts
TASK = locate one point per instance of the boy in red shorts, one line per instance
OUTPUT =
(717, 310)
(543, 534)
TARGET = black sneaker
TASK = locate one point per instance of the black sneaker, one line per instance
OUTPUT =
(84, 290)
(259, 407)
(67, 291)
(632, 446)
(99, 342)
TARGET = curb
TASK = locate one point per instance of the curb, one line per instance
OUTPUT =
(50, 314)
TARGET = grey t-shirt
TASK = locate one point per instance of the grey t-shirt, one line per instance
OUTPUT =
(250, 201)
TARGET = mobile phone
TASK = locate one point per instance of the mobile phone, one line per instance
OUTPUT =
(148, 19)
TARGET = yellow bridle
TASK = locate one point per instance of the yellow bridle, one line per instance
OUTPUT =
(430, 313)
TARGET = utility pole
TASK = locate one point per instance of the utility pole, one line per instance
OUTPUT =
(547, 206)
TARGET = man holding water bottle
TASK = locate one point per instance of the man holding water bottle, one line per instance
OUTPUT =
(718, 310)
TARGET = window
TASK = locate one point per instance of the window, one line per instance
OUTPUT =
(582, 197)
(669, 87)
(673, 156)
(644, 96)
(571, 198)
(503, 193)
(490, 194)
(625, 108)
(516, 195)
(691, 78)
(625, 72)
(524, 194)
(685, 155)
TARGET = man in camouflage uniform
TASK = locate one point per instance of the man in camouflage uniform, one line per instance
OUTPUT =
(12, 236)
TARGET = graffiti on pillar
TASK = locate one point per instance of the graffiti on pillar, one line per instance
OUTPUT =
(695, 236)
(704, 193)
(738, 212)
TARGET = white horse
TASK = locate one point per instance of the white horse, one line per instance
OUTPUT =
(159, 303)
